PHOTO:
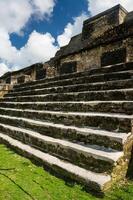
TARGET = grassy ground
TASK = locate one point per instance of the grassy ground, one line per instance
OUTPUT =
(22, 180)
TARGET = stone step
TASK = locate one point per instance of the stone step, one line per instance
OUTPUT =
(113, 68)
(119, 84)
(106, 121)
(80, 80)
(107, 69)
(84, 136)
(102, 95)
(94, 158)
(93, 181)
(75, 106)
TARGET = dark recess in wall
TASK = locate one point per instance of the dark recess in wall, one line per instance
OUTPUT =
(114, 57)
(68, 67)
(40, 74)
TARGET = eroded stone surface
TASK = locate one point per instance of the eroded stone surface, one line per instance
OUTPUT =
(77, 120)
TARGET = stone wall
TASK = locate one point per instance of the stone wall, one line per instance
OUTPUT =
(111, 36)
(51, 70)
(85, 60)
(97, 25)
(89, 59)
(31, 73)
(130, 49)
(4, 88)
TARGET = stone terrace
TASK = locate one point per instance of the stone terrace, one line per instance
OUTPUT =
(78, 124)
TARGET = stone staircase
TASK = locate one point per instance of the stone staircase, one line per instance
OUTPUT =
(79, 125)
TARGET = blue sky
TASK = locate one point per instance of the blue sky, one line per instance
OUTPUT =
(63, 12)
(33, 30)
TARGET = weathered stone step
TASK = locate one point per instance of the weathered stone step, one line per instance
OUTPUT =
(94, 158)
(91, 136)
(119, 84)
(81, 80)
(102, 95)
(113, 68)
(75, 106)
(106, 121)
(109, 69)
(94, 181)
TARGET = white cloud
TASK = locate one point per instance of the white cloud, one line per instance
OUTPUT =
(7, 51)
(14, 16)
(39, 48)
(97, 6)
(71, 29)
(44, 7)
(3, 68)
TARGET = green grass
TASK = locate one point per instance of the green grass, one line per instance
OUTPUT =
(22, 180)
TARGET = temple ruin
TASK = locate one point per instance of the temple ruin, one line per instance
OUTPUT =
(74, 113)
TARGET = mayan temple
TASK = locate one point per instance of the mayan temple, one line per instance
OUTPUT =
(73, 114)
